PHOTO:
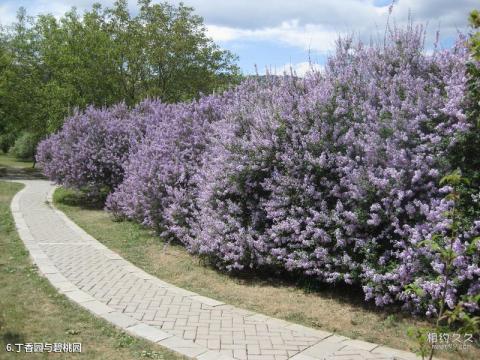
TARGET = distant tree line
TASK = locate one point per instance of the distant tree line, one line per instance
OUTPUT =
(50, 66)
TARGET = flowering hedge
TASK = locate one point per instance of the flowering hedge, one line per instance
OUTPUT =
(334, 176)
(159, 189)
(89, 152)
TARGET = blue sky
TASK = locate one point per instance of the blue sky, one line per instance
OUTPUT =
(279, 34)
(269, 54)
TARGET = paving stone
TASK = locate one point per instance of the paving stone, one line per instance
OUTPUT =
(240, 354)
(357, 354)
(206, 300)
(119, 319)
(143, 275)
(185, 347)
(181, 292)
(38, 255)
(253, 349)
(364, 345)
(111, 255)
(160, 283)
(148, 332)
(25, 234)
(78, 296)
(65, 286)
(48, 269)
(214, 355)
(322, 349)
(302, 356)
(335, 338)
(96, 307)
(398, 354)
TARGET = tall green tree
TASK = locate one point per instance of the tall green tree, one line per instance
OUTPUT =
(49, 66)
(21, 76)
(182, 60)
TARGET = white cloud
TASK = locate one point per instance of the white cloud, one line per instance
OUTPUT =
(224, 33)
(349, 14)
(315, 25)
(307, 24)
(8, 10)
(299, 69)
(309, 37)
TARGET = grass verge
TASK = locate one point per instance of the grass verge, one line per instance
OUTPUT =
(8, 160)
(333, 309)
(12, 168)
(32, 311)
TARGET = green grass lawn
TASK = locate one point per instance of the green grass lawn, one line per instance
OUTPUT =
(338, 310)
(17, 169)
(32, 311)
(8, 160)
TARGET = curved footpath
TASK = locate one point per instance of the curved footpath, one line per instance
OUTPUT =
(104, 283)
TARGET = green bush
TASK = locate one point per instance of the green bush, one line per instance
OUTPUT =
(24, 147)
(6, 142)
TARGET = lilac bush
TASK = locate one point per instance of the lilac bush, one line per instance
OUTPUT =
(89, 151)
(159, 188)
(334, 176)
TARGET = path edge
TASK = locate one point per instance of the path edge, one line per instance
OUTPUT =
(115, 318)
(147, 332)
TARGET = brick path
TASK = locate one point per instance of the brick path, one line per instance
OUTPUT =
(109, 286)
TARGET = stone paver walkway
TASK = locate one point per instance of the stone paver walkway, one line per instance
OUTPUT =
(104, 283)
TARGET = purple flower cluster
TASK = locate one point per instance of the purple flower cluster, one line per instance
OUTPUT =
(159, 188)
(334, 176)
(89, 152)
